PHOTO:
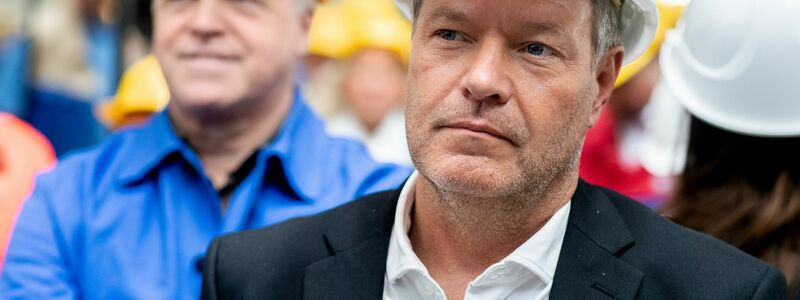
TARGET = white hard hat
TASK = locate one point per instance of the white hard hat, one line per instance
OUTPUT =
(639, 21)
(736, 64)
(665, 141)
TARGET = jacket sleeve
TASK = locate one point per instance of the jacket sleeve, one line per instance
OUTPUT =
(37, 264)
(772, 286)
(209, 291)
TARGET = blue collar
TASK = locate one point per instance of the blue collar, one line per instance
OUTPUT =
(299, 145)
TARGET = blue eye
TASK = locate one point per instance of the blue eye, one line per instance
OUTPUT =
(449, 35)
(539, 49)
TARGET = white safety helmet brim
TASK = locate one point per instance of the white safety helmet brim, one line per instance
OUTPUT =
(737, 68)
(639, 21)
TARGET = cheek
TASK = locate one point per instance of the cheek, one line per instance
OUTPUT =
(165, 40)
(418, 113)
(265, 55)
(266, 34)
(556, 108)
(413, 106)
(165, 35)
(169, 24)
(431, 83)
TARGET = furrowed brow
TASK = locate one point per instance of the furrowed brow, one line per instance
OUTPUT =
(534, 26)
(448, 14)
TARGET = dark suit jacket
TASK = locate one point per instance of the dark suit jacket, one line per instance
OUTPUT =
(614, 248)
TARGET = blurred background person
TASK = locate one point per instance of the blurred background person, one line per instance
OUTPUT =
(60, 58)
(14, 55)
(10, 16)
(736, 72)
(359, 52)
(73, 64)
(237, 148)
(24, 152)
(74, 43)
(611, 153)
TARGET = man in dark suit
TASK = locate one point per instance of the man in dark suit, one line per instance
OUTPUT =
(501, 94)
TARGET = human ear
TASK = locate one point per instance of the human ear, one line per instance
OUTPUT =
(606, 73)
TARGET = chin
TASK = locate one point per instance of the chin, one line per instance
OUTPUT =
(205, 97)
(472, 176)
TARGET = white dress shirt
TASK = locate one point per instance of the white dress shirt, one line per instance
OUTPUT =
(527, 273)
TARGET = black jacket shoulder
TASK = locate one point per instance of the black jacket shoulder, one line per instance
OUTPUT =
(681, 263)
(269, 263)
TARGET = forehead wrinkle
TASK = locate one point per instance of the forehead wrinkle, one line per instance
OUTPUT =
(443, 13)
(559, 3)
(539, 26)
(533, 23)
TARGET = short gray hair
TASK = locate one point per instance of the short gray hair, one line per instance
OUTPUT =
(606, 31)
(607, 28)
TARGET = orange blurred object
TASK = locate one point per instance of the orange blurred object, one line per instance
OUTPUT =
(24, 152)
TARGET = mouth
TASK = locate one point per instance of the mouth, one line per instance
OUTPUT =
(209, 65)
(480, 128)
(208, 56)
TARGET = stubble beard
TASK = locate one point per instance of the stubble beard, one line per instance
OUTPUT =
(494, 208)
(509, 206)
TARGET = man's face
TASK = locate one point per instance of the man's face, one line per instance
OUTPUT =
(374, 85)
(217, 54)
(501, 93)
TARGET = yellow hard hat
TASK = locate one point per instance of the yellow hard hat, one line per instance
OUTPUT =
(331, 34)
(142, 89)
(669, 14)
(340, 29)
(393, 34)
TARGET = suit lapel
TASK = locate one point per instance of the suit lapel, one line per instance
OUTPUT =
(356, 273)
(357, 268)
(588, 267)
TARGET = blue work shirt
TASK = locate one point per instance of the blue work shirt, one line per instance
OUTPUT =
(131, 218)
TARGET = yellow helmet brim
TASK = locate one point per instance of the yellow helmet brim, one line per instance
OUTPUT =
(669, 14)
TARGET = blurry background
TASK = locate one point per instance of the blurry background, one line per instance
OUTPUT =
(60, 64)
(72, 71)
(78, 69)
(59, 58)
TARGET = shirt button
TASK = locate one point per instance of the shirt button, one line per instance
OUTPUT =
(198, 264)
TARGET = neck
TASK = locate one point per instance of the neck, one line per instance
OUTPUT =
(224, 139)
(457, 237)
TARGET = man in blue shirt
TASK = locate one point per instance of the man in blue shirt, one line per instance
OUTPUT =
(236, 149)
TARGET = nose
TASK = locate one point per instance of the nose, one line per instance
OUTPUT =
(486, 79)
(207, 21)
